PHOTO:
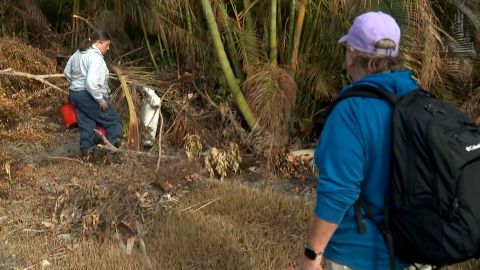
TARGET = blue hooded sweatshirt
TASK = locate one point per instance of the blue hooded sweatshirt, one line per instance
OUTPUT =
(353, 156)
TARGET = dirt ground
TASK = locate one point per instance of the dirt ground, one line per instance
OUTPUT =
(59, 212)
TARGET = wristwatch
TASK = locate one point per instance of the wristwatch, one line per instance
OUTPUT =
(312, 254)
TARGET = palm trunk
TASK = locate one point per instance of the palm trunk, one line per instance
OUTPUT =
(298, 33)
(25, 29)
(188, 17)
(273, 32)
(231, 45)
(142, 24)
(75, 25)
(227, 69)
(280, 32)
(162, 54)
(166, 48)
(307, 41)
(60, 6)
(190, 34)
(291, 28)
(248, 16)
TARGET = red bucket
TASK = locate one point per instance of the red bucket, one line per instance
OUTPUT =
(68, 115)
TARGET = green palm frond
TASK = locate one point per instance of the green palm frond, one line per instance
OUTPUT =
(173, 25)
(249, 47)
(470, 9)
(461, 31)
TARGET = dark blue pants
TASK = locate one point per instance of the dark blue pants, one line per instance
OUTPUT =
(89, 115)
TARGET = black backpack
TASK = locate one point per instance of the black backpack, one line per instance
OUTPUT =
(432, 208)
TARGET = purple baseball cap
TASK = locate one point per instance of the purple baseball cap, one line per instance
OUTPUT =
(368, 28)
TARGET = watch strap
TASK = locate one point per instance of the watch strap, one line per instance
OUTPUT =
(311, 253)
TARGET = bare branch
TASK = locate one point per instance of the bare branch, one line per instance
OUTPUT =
(85, 20)
(40, 78)
(160, 132)
(65, 158)
(108, 145)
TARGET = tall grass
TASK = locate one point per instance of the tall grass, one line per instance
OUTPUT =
(217, 226)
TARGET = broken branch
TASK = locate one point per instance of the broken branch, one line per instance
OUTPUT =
(109, 146)
(40, 78)
(160, 132)
(86, 21)
(65, 158)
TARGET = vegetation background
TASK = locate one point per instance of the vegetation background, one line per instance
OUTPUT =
(236, 68)
(277, 60)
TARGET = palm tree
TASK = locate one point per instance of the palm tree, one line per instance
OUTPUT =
(300, 34)
(226, 68)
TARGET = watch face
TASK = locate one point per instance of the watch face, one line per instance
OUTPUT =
(309, 253)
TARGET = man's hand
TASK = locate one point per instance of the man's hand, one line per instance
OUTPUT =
(309, 264)
(103, 105)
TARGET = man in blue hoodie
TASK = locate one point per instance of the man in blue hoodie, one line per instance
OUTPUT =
(354, 153)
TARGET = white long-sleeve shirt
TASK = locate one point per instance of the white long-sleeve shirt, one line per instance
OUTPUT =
(88, 71)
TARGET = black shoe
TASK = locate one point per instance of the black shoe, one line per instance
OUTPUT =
(94, 155)
(101, 156)
(117, 143)
(87, 154)
(97, 139)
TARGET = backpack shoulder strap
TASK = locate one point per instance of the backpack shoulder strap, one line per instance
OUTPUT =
(369, 91)
(360, 90)
(364, 90)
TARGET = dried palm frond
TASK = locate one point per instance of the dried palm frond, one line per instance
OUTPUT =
(271, 94)
(472, 106)
(144, 77)
(167, 18)
(133, 142)
(317, 81)
(422, 55)
(109, 21)
(35, 18)
(458, 78)
(348, 8)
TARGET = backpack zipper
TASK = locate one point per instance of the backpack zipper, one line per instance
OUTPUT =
(433, 109)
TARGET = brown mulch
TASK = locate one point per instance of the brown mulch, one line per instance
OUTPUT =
(22, 98)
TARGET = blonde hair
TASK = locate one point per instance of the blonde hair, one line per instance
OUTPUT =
(376, 63)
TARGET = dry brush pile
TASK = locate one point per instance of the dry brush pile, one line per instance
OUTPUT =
(22, 98)
(74, 201)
